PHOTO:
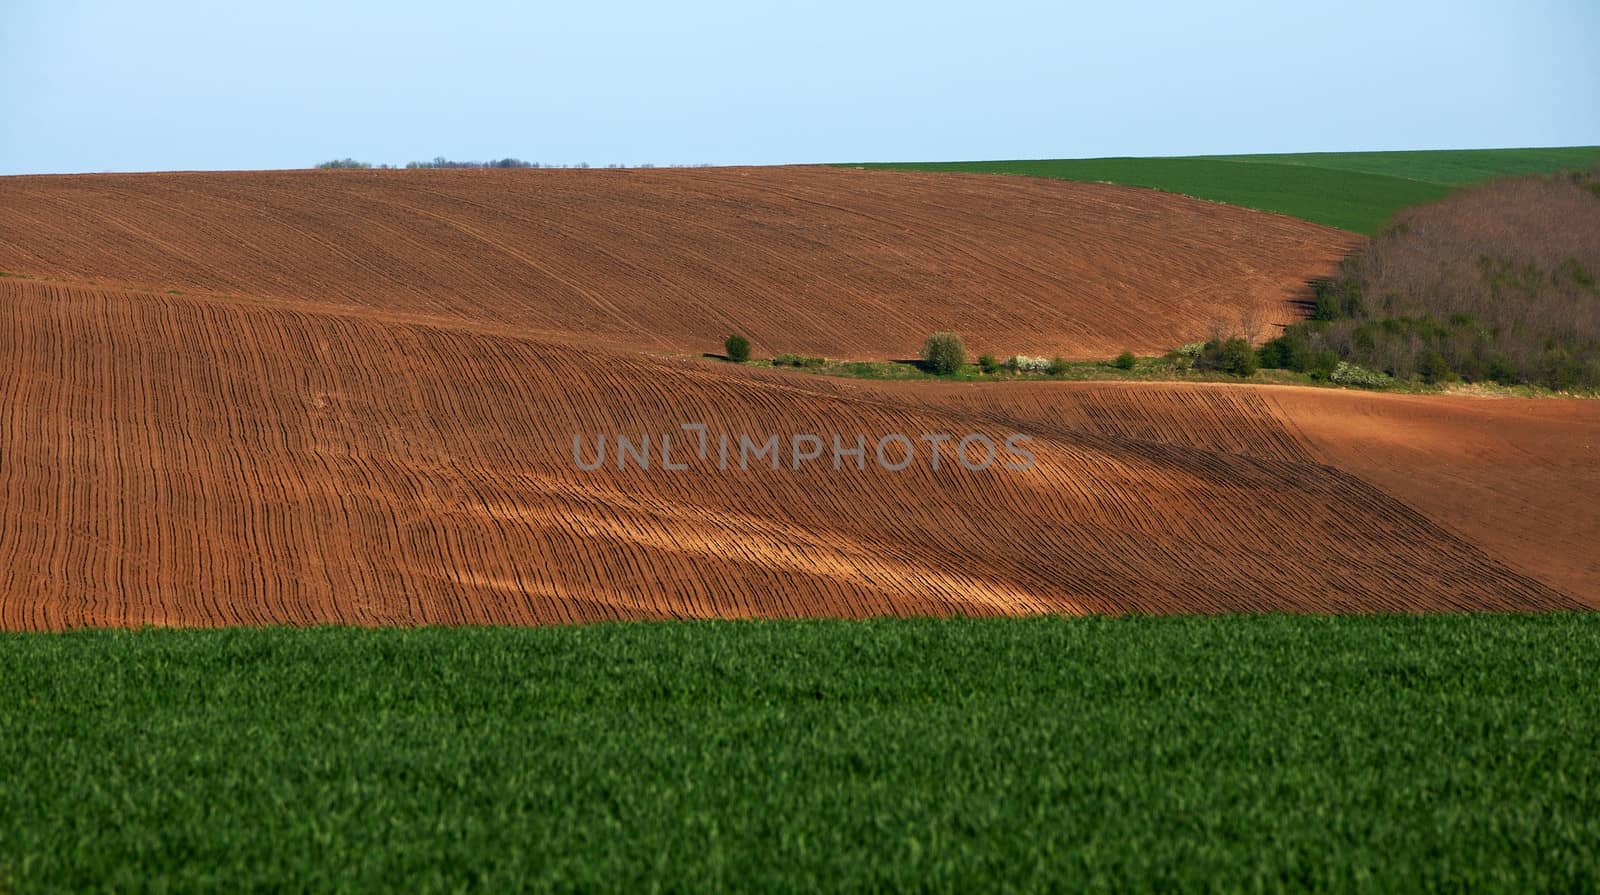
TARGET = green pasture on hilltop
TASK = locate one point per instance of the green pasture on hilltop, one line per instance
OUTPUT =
(1356, 191)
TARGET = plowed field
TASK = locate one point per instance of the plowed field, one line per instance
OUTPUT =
(279, 443)
(842, 263)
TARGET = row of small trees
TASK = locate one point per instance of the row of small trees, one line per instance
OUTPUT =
(439, 162)
(942, 353)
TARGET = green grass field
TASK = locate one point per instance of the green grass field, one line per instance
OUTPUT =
(1356, 191)
(1391, 753)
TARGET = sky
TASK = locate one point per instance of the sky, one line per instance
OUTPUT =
(94, 85)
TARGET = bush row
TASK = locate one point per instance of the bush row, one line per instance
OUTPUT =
(943, 353)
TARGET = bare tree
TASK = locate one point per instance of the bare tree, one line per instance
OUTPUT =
(1250, 324)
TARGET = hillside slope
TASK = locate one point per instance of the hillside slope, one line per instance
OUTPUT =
(823, 261)
(195, 461)
(354, 397)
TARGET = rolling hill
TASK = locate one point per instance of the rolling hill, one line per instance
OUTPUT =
(845, 264)
(353, 397)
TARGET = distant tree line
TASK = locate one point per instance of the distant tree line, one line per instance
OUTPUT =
(442, 162)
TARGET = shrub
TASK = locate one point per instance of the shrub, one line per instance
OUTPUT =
(988, 364)
(1433, 368)
(944, 353)
(1184, 356)
(1349, 374)
(1273, 354)
(1290, 351)
(344, 163)
(1558, 370)
(738, 348)
(1125, 361)
(797, 360)
(1237, 357)
(1322, 363)
(1500, 370)
(1022, 363)
(1058, 365)
(1229, 356)
(1338, 300)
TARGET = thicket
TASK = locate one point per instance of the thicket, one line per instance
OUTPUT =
(1496, 283)
(1022, 363)
(798, 360)
(1227, 355)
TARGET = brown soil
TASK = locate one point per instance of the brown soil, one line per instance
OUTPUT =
(1519, 478)
(827, 261)
(374, 425)
(191, 461)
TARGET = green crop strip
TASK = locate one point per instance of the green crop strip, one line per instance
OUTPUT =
(1357, 191)
(1394, 753)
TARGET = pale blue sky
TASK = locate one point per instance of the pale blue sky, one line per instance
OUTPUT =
(93, 85)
